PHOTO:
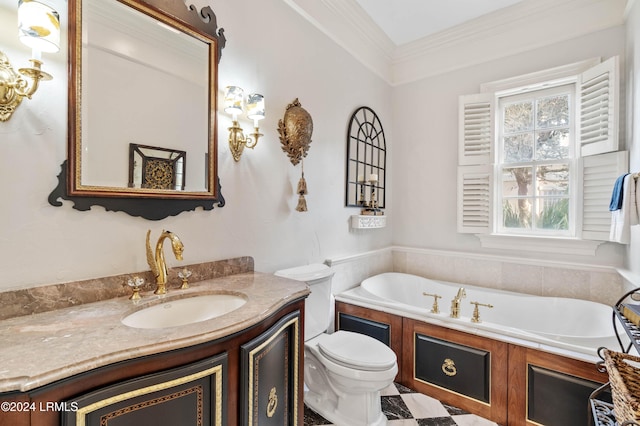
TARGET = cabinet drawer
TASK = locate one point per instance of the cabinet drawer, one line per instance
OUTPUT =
(192, 395)
(456, 367)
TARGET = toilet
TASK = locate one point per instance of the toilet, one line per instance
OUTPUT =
(344, 372)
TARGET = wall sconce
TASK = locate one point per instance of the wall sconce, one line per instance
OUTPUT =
(38, 28)
(233, 105)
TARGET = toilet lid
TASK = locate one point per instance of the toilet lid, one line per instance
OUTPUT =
(357, 351)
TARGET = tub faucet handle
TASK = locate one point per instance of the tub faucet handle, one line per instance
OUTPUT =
(434, 308)
(476, 311)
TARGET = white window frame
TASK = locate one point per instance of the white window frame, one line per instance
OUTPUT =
(521, 94)
(476, 198)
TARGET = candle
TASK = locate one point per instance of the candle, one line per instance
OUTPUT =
(360, 178)
(373, 177)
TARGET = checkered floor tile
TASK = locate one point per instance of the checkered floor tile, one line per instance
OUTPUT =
(404, 407)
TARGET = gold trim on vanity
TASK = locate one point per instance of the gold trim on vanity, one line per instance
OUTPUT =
(217, 371)
(253, 375)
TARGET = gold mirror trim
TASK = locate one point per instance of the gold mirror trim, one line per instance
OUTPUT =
(202, 27)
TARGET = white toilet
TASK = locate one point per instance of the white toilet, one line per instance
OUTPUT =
(344, 372)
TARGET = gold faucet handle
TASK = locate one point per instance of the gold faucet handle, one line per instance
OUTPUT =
(184, 275)
(135, 284)
(476, 311)
(434, 308)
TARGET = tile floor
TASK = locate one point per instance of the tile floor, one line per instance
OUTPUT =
(404, 407)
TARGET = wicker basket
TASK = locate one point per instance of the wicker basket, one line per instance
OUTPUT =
(624, 376)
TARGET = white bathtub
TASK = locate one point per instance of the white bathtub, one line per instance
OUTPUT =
(545, 322)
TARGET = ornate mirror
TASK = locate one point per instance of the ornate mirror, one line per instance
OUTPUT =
(144, 74)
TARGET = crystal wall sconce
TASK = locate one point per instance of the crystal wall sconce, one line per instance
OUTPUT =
(234, 105)
(38, 28)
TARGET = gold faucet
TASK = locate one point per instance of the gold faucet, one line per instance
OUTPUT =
(156, 260)
(455, 303)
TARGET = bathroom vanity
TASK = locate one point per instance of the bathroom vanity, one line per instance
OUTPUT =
(82, 366)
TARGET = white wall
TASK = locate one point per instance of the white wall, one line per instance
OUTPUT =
(633, 120)
(284, 58)
(424, 165)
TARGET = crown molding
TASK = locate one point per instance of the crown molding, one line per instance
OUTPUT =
(506, 32)
(346, 23)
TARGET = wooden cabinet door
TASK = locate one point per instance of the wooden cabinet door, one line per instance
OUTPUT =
(269, 375)
(191, 395)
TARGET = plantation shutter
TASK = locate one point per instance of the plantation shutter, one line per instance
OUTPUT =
(475, 169)
(599, 97)
(474, 199)
(599, 172)
(475, 129)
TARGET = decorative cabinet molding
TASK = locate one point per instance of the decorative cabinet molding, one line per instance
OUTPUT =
(500, 381)
(368, 222)
(269, 375)
(189, 395)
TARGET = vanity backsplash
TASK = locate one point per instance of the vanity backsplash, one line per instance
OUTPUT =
(57, 296)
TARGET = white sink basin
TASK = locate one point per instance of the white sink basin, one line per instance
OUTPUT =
(173, 313)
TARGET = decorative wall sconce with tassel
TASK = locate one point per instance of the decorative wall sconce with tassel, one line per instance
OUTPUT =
(38, 28)
(295, 136)
(234, 105)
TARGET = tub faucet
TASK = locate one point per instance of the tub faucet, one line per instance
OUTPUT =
(156, 260)
(455, 303)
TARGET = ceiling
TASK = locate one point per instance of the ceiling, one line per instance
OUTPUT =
(408, 40)
(404, 21)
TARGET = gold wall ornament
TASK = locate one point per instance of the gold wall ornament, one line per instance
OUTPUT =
(295, 131)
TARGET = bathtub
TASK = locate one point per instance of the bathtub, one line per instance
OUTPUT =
(547, 323)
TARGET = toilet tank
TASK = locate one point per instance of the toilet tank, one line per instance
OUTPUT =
(318, 306)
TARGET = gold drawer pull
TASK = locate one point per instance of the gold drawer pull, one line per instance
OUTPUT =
(449, 367)
(273, 403)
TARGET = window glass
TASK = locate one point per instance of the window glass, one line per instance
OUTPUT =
(535, 161)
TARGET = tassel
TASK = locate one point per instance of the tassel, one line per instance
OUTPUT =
(302, 204)
(302, 186)
(302, 190)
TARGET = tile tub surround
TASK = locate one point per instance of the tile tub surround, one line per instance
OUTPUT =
(57, 296)
(537, 277)
(597, 283)
(45, 347)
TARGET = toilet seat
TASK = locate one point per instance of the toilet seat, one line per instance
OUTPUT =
(357, 351)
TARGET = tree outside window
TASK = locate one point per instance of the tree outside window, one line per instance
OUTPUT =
(535, 160)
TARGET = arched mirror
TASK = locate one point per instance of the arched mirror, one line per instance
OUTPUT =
(143, 74)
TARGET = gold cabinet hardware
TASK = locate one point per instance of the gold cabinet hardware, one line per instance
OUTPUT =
(476, 311)
(273, 403)
(449, 367)
(434, 308)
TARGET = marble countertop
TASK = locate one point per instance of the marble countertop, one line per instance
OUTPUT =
(41, 348)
